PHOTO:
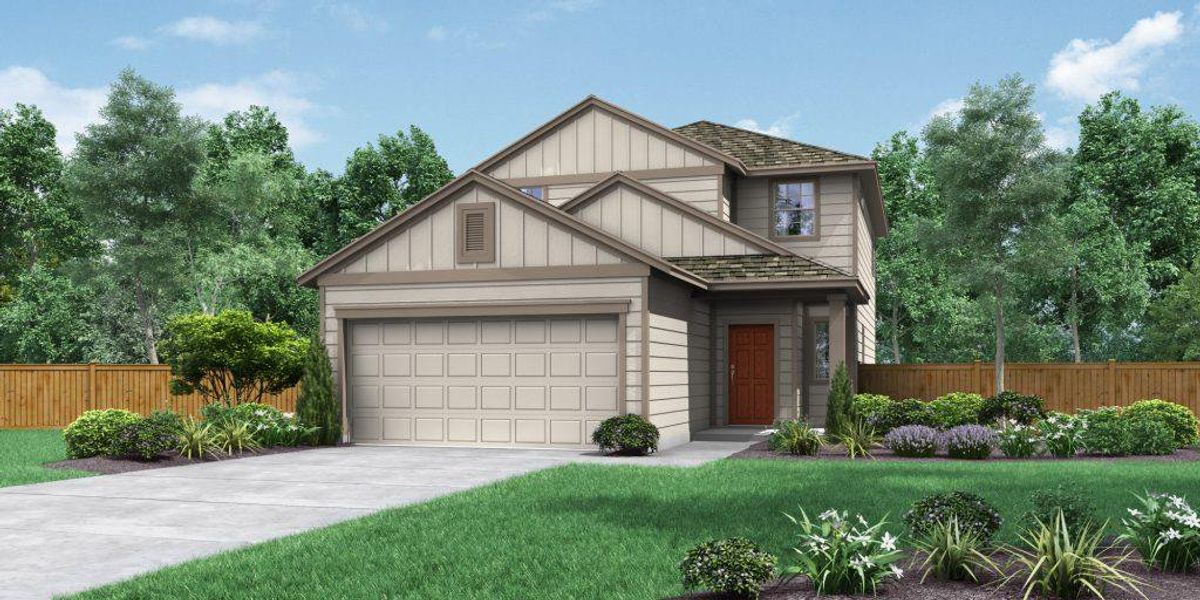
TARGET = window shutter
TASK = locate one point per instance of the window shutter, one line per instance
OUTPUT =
(476, 233)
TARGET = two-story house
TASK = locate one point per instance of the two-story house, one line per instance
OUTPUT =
(604, 264)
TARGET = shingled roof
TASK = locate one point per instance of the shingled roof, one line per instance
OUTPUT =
(761, 150)
(755, 266)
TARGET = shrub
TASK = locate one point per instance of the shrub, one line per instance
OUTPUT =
(235, 437)
(857, 438)
(902, 412)
(1009, 405)
(97, 432)
(317, 405)
(969, 441)
(1104, 432)
(841, 556)
(230, 357)
(866, 406)
(795, 437)
(198, 440)
(1055, 562)
(287, 430)
(1149, 435)
(1180, 419)
(1165, 531)
(953, 554)
(957, 408)
(1045, 505)
(1062, 434)
(912, 441)
(733, 566)
(145, 439)
(840, 396)
(626, 434)
(974, 514)
(167, 419)
(1018, 441)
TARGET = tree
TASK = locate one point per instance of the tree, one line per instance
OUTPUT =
(256, 130)
(841, 397)
(997, 184)
(382, 181)
(133, 174)
(1144, 167)
(230, 357)
(1173, 332)
(317, 405)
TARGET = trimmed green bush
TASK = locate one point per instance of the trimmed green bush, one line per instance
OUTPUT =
(317, 405)
(1179, 418)
(795, 437)
(1105, 432)
(626, 434)
(734, 566)
(866, 406)
(1150, 436)
(956, 408)
(1009, 405)
(1044, 506)
(146, 439)
(909, 411)
(973, 513)
(97, 432)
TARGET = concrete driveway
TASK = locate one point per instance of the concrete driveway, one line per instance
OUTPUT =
(68, 536)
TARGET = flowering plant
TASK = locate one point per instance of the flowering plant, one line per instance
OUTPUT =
(844, 556)
(912, 440)
(1017, 440)
(969, 441)
(1165, 531)
(1063, 434)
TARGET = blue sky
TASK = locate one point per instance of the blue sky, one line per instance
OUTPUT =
(477, 75)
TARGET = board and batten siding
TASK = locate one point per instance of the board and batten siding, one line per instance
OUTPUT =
(597, 141)
(523, 239)
(658, 227)
(865, 270)
(700, 191)
(835, 207)
(677, 388)
(485, 293)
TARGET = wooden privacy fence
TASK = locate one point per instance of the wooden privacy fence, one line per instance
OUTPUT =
(1066, 387)
(53, 395)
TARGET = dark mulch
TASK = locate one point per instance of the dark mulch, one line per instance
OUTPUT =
(108, 466)
(760, 450)
(1159, 586)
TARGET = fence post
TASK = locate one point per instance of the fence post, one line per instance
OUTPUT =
(978, 368)
(91, 377)
(1112, 382)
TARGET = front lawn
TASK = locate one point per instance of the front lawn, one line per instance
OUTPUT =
(22, 452)
(613, 532)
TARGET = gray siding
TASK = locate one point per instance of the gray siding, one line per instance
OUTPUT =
(835, 213)
(865, 269)
(785, 316)
(673, 388)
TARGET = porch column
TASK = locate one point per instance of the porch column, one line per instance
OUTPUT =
(838, 348)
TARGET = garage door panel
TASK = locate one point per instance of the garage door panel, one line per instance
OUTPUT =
(524, 381)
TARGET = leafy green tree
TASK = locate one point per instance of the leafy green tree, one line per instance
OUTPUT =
(256, 130)
(133, 173)
(230, 357)
(47, 321)
(1173, 332)
(383, 180)
(1144, 167)
(317, 404)
(998, 182)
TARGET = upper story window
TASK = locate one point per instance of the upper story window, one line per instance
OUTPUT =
(476, 233)
(537, 193)
(794, 208)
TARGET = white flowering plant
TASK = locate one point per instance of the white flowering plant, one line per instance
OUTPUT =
(1165, 530)
(841, 555)
(1017, 440)
(1062, 434)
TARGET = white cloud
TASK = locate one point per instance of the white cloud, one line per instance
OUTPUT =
(437, 33)
(354, 17)
(1062, 134)
(214, 30)
(1086, 69)
(70, 109)
(548, 10)
(947, 107)
(132, 42)
(462, 35)
(278, 90)
(779, 128)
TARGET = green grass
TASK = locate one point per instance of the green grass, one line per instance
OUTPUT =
(22, 452)
(613, 532)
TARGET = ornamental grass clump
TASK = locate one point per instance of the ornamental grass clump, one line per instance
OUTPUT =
(1053, 561)
(858, 438)
(1165, 531)
(841, 555)
(953, 553)
(969, 441)
(1017, 440)
(913, 441)
(734, 566)
(1062, 434)
(795, 437)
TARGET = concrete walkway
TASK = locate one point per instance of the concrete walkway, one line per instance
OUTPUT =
(68, 536)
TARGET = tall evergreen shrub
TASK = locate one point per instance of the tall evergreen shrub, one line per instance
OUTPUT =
(841, 397)
(317, 405)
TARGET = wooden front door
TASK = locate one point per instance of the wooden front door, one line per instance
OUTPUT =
(751, 374)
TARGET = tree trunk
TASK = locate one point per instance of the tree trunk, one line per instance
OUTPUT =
(896, 335)
(147, 317)
(1073, 315)
(999, 337)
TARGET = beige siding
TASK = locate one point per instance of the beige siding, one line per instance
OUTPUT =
(725, 201)
(630, 289)
(658, 227)
(784, 316)
(701, 191)
(865, 269)
(700, 373)
(523, 239)
(678, 351)
(597, 141)
(835, 214)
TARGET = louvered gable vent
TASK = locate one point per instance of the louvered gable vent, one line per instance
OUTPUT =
(476, 232)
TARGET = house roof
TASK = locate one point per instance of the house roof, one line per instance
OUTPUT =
(759, 150)
(756, 266)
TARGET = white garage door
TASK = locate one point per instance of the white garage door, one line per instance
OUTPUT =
(482, 382)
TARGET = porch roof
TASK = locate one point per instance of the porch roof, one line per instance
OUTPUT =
(758, 267)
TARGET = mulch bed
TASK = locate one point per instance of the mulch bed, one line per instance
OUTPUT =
(109, 466)
(761, 451)
(1159, 586)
